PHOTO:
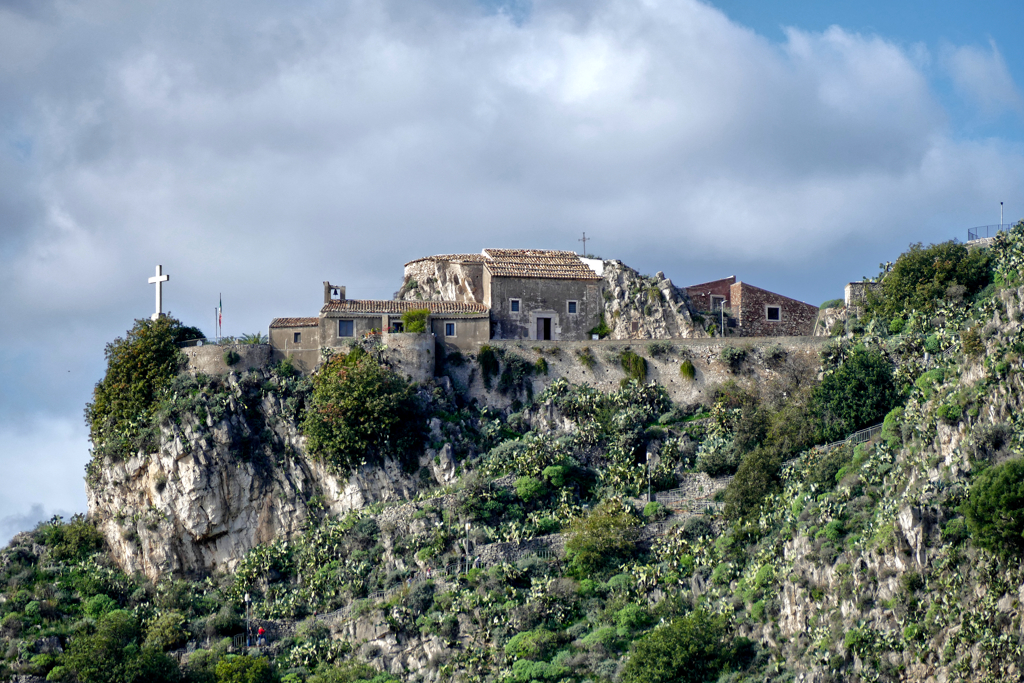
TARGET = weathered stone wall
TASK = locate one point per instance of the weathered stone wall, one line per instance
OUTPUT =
(209, 359)
(411, 354)
(542, 298)
(750, 305)
(470, 333)
(663, 368)
(701, 295)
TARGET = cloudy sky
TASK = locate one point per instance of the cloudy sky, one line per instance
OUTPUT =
(256, 149)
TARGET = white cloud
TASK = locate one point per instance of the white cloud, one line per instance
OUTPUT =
(982, 76)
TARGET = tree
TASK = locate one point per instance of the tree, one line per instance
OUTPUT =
(688, 650)
(235, 669)
(604, 538)
(112, 654)
(139, 366)
(757, 476)
(995, 509)
(923, 275)
(857, 394)
(361, 412)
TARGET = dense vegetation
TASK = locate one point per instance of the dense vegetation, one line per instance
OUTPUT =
(140, 366)
(888, 559)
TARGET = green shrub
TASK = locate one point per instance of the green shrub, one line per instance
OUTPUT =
(859, 393)
(756, 477)
(360, 412)
(634, 366)
(995, 509)
(732, 357)
(660, 348)
(540, 367)
(687, 370)
(139, 367)
(235, 669)
(603, 539)
(896, 325)
(530, 488)
(167, 631)
(111, 654)
(530, 644)
(601, 330)
(655, 511)
(526, 671)
(231, 357)
(921, 277)
(932, 344)
(490, 365)
(415, 321)
(632, 618)
(955, 531)
(892, 430)
(971, 342)
(832, 303)
(70, 542)
(691, 649)
(950, 413)
(586, 358)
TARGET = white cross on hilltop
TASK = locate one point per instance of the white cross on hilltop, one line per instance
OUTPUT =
(158, 280)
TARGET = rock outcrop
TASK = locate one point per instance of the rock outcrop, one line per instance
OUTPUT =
(641, 307)
(213, 489)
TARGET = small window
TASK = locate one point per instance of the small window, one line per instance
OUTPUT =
(398, 326)
(449, 329)
(572, 307)
(346, 328)
(717, 303)
(774, 313)
(297, 338)
(513, 305)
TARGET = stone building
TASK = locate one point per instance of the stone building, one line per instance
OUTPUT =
(753, 312)
(463, 324)
(529, 293)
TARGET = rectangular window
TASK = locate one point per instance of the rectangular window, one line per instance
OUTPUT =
(773, 313)
(297, 338)
(717, 303)
(346, 328)
(572, 307)
(513, 305)
(449, 329)
(398, 326)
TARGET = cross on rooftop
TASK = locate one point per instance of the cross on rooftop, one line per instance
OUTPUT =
(584, 240)
(157, 280)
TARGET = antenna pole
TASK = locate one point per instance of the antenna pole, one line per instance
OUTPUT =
(1000, 214)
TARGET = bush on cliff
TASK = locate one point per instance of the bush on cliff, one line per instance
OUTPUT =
(858, 394)
(603, 539)
(995, 509)
(692, 648)
(140, 365)
(924, 275)
(361, 413)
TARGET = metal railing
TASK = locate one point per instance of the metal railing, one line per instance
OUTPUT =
(983, 231)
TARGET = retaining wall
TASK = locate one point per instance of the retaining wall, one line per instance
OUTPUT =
(209, 359)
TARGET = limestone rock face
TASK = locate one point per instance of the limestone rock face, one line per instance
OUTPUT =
(208, 494)
(638, 307)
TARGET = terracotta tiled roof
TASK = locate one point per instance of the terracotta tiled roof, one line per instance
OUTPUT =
(397, 307)
(562, 265)
(295, 322)
(471, 258)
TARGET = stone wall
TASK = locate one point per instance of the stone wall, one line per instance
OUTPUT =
(542, 298)
(750, 304)
(209, 359)
(606, 373)
(411, 354)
